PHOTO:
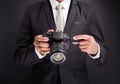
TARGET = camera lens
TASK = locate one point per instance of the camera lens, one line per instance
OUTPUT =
(58, 58)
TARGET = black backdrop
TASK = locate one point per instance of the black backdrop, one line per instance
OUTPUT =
(11, 12)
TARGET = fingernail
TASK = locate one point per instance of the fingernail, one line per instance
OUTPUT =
(74, 43)
(74, 38)
(46, 38)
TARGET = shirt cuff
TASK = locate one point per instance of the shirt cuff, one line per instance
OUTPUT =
(39, 55)
(98, 54)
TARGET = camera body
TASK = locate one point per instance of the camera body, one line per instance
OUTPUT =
(59, 43)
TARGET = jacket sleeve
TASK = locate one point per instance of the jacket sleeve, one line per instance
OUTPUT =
(25, 51)
(96, 32)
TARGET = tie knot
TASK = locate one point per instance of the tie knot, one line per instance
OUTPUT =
(59, 7)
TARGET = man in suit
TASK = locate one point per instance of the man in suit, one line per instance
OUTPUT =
(80, 22)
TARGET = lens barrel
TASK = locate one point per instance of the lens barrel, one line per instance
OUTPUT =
(58, 58)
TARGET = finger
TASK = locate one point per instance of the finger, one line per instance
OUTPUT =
(84, 50)
(39, 38)
(86, 42)
(42, 39)
(83, 47)
(50, 30)
(41, 49)
(75, 43)
(45, 45)
(45, 53)
(35, 44)
(78, 37)
(44, 49)
(41, 45)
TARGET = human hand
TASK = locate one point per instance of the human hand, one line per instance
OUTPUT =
(87, 44)
(41, 44)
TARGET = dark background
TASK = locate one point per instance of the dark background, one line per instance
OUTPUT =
(11, 12)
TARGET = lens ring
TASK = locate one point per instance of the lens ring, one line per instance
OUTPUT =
(58, 58)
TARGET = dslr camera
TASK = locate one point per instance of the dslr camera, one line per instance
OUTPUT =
(59, 43)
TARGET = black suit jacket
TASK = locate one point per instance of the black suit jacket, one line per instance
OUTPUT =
(37, 20)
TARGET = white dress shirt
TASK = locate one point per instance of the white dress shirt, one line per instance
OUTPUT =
(66, 5)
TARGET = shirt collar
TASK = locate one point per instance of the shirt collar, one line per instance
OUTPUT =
(64, 3)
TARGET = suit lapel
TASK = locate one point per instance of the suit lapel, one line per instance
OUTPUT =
(71, 16)
(49, 15)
